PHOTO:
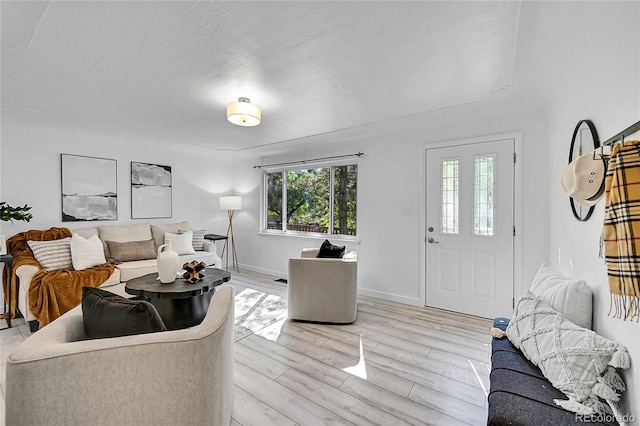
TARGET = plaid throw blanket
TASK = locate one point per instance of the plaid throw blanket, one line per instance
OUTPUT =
(621, 231)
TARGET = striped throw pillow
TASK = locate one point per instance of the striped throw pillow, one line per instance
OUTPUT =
(198, 239)
(52, 255)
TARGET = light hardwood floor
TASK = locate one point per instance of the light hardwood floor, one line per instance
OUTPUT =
(397, 364)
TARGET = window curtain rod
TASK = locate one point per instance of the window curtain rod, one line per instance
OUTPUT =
(313, 160)
(620, 136)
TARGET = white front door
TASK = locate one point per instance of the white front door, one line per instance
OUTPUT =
(470, 228)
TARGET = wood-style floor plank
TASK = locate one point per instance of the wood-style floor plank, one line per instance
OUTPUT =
(353, 409)
(341, 362)
(404, 408)
(282, 399)
(249, 410)
(289, 357)
(257, 360)
(462, 410)
(425, 373)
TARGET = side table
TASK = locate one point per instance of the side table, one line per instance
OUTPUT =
(217, 237)
(7, 259)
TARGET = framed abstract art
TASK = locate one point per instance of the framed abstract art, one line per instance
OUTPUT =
(150, 191)
(89, 188)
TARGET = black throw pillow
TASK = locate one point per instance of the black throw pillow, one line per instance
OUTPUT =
(108, 315)
(329, 250)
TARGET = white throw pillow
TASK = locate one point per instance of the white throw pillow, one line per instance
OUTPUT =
(52, 255)
(175, 228)
(570, 297)
(181, 243)
(86, 252)
(574, 359)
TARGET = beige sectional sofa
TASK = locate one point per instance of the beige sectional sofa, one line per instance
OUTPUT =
(126, 270)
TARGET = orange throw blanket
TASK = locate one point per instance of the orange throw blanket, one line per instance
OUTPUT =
(52, 293)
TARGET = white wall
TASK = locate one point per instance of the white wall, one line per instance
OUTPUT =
(389, 179)
(30, 169)
(593, 73)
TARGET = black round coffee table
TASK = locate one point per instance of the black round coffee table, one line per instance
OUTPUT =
(181, 304)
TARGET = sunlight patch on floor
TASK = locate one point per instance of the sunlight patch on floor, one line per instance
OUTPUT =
(478, 379)
(360, 369)
(272, 331)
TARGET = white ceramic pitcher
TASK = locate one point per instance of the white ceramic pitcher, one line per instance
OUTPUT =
(167, 263)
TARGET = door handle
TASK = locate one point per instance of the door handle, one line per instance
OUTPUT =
(432, 241)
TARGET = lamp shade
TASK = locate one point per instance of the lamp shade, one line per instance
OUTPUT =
(244, 113)
(230, 202)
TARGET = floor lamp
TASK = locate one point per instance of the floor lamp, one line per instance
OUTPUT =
(231, 203)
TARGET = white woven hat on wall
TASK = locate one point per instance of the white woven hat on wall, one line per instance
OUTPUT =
(583, 178)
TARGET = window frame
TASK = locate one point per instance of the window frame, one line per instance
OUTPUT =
(353, 239)
(494, 161)
(460, 226)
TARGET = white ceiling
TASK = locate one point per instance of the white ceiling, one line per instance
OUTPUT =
(168, 69)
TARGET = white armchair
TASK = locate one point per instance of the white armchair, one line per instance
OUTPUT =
(323, 289)
(179, 377)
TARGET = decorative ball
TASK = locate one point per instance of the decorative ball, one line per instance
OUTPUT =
(193, 271)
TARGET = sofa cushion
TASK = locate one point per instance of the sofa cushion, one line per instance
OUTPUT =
(132, 250)
(181, 243)
(52, 255)
(86, 252)
(513, 359)
(331, 251)
(519, 399)
(570, 297)
(123, 233)
(175, 228)
(106, 314)
(574, 359)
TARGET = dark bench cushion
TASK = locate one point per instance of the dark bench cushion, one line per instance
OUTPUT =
(519, 393)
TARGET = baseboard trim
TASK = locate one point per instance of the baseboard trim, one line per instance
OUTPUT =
(366, 292)
(391, 297)
(264, 271)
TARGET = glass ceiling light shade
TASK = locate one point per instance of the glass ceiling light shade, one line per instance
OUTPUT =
(244, 113)
(230, 202)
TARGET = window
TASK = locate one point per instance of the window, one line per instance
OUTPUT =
(449, 185)
(318, 200)
(483, 196)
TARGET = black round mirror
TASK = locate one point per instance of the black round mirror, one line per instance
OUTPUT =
(585, 140)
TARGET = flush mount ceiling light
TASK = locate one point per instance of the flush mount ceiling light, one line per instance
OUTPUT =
(244, 113)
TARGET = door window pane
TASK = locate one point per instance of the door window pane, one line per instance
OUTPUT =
(274, 200)
(483, 196)
(308, 195)
(449, 176)
(344, 199)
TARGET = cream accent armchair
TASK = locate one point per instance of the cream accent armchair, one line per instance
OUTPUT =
(179, 377)
(323, 289)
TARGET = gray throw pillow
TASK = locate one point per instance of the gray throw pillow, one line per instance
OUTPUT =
(132, 250)
(106, 314)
